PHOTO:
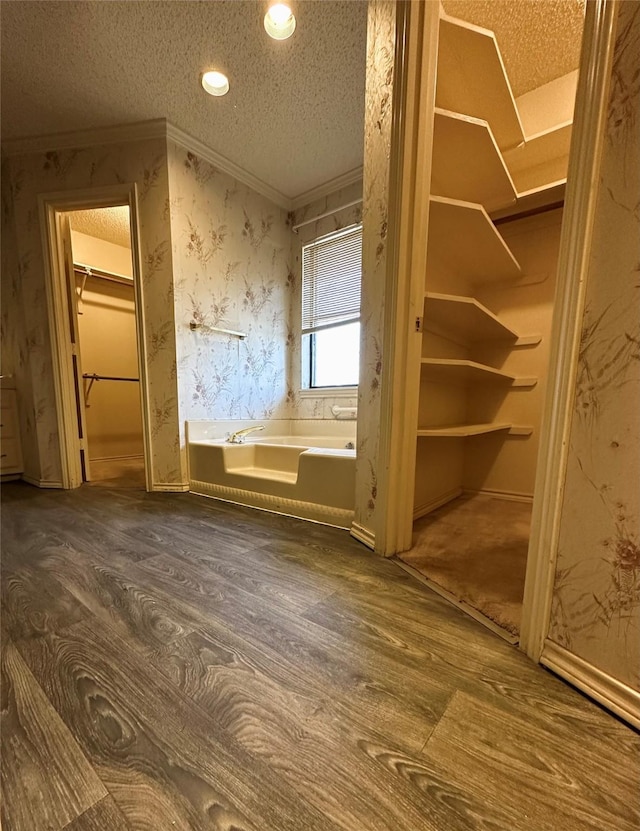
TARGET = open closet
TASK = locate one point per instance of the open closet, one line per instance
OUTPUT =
(499, 164)
(108, 384)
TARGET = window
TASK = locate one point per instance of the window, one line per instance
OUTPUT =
(331, 278)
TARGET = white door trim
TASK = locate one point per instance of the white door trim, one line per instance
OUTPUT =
(573, 262)
(49, 205)
(415, 73)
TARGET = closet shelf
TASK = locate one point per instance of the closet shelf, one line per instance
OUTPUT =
(466, 430)
(456, 371)
(464, 318)
(542, 160)
(471, 79)
(546, 197)
(463, 239)
(467, 164)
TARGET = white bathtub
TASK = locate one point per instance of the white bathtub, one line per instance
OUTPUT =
(306, 476)
(326, 442)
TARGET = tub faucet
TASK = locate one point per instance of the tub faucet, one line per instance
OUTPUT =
(239, 436)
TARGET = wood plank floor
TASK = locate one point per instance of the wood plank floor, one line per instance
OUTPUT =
(171, 662)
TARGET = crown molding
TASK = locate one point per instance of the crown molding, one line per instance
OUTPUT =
(204, 152)
(120, 134)
(160, 128)
(319, 192)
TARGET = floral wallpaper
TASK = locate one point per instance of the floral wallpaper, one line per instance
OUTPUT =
(596, 600)
(377, 148)
(15, 352)
(214, 252)
(26, 341)
(232, 263)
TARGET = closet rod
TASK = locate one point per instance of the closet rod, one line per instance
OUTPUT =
(326, 213)
(95, 377)
(90, 271)
(92, 377)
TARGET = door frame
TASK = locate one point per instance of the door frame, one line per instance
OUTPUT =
(397, 452)
(50, 204)
(573, 262)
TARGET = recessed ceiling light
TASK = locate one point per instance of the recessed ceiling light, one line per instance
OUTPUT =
(215, 83)
(279, 22)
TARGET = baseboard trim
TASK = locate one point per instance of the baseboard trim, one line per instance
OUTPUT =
(608, 691)
(438, 502)
(41, 483)
(363, 535)
(170, 487)
(512, 496)
(312, 511)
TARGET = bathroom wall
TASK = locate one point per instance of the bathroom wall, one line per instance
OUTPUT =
(381, 30)
(232, 262)
(27, 348)
(596, 597)
(238, 266)
(307, 404)
(16, 356)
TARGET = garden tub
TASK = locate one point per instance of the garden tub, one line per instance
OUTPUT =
(307, 476)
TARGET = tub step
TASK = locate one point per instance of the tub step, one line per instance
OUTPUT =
(265, 473)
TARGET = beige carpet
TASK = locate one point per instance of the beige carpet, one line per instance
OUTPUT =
(118, 473)
(476, 548)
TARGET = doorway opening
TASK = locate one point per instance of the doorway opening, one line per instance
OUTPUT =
(96, 318)
(107, 353)
(499, 166)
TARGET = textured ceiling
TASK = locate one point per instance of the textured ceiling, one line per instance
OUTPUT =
(539, 39)
(294, 115)
(109, 224)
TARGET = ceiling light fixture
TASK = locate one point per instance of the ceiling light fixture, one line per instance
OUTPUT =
(215, 83)
(280, 22)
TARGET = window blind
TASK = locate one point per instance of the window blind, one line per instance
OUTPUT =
(331, 278)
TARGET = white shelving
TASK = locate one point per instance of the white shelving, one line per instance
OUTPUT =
(465, 318)
(458, 431)
(482, 163)
(471, 79)
(542, 160)
(467, 163)
(458, 371)
(464, 240)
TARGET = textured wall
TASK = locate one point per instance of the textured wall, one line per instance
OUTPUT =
(231, 254)
(27, 347)
(596, 600)
(377, 148)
